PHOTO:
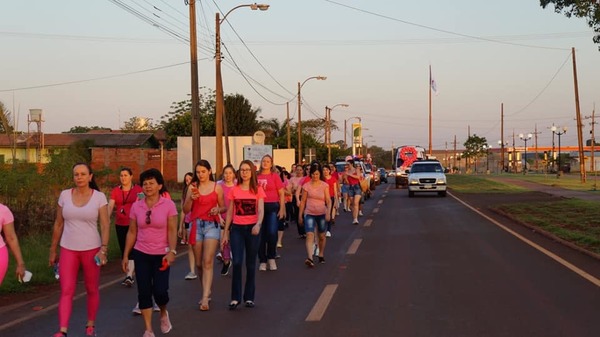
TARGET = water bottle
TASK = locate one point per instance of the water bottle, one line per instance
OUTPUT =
(56, 275)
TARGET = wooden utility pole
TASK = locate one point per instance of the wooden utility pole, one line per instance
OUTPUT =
(430, 83)
(536, 133)
(593, 140)
(502, 136)
(455, 154)
(579, 123)
(196, 150)
(514, 153)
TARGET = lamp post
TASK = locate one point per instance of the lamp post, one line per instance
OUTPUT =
(328, 127)
(525, 138)
(300, 85)
(487, 157)
(502, 146)
(220, 102)
(559, 133)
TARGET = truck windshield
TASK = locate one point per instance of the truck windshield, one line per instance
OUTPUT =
(426, 168)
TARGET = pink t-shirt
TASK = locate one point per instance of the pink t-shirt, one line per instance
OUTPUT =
(152, 238)
(6, 217)
(315, 200)
(123, 201)
(245, 205)
(226, 190)
(80, 230)
(271, 184)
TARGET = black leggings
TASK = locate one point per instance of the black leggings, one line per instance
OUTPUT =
(122, 236)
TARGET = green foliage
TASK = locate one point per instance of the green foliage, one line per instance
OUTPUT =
(6, 125)
(138, 125)
(474, 147)
(85, 129)
(588, 9)
(241, 117)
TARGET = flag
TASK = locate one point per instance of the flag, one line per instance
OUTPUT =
(432, 83)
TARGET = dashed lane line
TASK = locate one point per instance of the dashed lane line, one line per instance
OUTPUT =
(375, 210)
(354, 247)
(368, 223)
(318, 310)
(380, 202)
(543, 250)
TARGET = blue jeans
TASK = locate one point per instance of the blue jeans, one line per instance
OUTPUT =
(267, 248)
(315, 221)
(151, 282)
(242, 241)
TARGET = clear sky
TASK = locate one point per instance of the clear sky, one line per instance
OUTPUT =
(375, 54)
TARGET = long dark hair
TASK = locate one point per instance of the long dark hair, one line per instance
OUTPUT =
(253, 182)
(186, 186)
(92, 184)
(203, 163)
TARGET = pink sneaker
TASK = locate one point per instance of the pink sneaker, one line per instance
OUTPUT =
(165, 323)
(90, 331)
(148, 334)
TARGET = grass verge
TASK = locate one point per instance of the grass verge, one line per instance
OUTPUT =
(463, 183)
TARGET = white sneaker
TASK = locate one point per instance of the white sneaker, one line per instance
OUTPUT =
(355, 222)
(219, 256)
(137, 310)
(262, 267)
(360, 213)
(272, 264)
(191, 276)
(328, 234)
(155, 307)
(316, 251)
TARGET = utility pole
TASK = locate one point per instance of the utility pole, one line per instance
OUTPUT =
(328, 132)
(455, 154)
(593, 143)
(289, 139)
(502, 136)
(536, 133)
(196, 150)
(579, 123)
(514, 153)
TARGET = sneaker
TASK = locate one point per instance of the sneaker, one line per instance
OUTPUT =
(328, 234)
(90, 331)
(128, 282)
(219, 256)
(148, 334)
(272, 264)
(316, 250)
(321, 259)
(137, 310)
(360, 213)
(165, 323)
(191, 276)
(262, 266)
(355, 222)
(155, 307)
(225, 269)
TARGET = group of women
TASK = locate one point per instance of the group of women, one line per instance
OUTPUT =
(241, 216)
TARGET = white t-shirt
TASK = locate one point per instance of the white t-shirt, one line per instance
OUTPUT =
(80, 230)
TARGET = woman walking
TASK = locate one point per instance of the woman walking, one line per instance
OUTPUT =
(7, 227)
(204, 203)
(152, 238)
(314, 213)
(270, 181)
(76, 229)
(294, 186)
(184, 225)
(331, 181)
(242, 227)
(121, 199)
(227, 184)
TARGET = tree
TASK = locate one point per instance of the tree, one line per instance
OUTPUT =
(6, 125)
(589, 9)
(241, 117)
(138, 125)
(85, 129)
(474, 148)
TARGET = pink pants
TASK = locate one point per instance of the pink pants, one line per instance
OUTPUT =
(3, 263)
(70, 261)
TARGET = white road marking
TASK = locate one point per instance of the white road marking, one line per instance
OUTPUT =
(368, 223)
(354, 247)
(543, 250)
(380, 202)
(376, 210)
(318, 310)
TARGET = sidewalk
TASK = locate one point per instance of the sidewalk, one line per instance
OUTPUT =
(552, 190)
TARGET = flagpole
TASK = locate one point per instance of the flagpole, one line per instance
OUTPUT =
(430, 83)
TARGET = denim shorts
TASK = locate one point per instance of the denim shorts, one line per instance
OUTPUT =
(207, 230)
(312, 221)
(354, 190)
(345, 188)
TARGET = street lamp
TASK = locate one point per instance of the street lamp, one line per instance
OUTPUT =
(487, 148)
(502, 146)
(559, 133)
(525, 138)
(328, 127)
(300, 85)
(220, 102)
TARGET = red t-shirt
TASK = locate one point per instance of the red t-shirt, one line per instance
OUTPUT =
(123, 201)
(331, 182)
(245, 205)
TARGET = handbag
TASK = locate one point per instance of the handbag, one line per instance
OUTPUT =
(364, 185)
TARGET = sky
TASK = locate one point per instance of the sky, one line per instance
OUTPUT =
(94, 63)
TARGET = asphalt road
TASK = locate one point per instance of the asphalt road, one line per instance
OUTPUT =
(424, 266)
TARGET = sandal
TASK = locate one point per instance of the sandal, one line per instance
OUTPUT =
(204, 304)
(309, 262)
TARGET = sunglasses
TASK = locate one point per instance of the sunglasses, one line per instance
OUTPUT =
(148, 213)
